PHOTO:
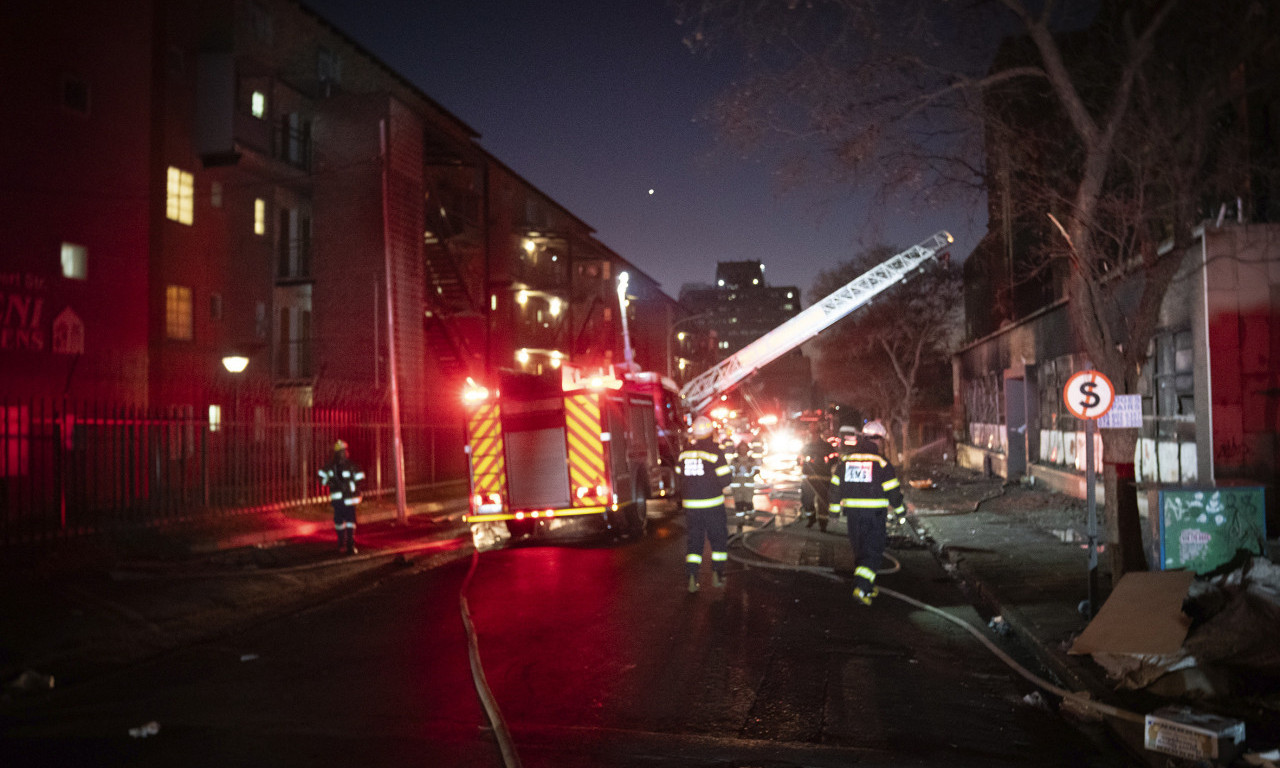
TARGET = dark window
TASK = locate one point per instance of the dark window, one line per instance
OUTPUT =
(75, 95)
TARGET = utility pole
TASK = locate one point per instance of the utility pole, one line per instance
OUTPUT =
(402, 514)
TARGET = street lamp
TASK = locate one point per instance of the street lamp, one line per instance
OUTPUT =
(235, 365)
(623, 279)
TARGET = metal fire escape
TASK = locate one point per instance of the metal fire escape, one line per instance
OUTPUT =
(451, 235)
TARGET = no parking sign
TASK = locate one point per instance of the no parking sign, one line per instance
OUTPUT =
(1088, 394)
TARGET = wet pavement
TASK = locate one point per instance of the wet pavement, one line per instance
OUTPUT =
(82, 608)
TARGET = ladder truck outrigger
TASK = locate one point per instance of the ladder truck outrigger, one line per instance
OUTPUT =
(582, 456)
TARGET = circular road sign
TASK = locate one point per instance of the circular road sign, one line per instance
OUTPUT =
(1088, 394)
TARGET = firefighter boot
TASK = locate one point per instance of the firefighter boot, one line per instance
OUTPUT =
(693, 584)
(813, 518)
(717, 579)
(351, 541)
(863, 596)
(342, 540)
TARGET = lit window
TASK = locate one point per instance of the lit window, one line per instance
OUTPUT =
(215, 418)
(75, 261)
(15, 440)
(177, 312)
(179, 197)
(259, 216)
(555, 307)
(258, 103)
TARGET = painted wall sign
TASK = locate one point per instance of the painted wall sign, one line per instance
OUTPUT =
(1125, 413)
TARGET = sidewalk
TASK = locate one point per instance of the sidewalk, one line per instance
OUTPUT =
(79, 608)
(1021, 555)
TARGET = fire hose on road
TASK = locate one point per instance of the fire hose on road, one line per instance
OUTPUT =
(762, 560)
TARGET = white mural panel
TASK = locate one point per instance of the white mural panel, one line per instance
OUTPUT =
(1147, 468)
(1190, 463)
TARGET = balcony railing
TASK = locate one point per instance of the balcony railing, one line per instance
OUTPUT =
(294, 264)
(294, 361)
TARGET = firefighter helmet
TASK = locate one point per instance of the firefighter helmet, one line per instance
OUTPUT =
(702, 428)
(848, 435)
(341, 445)
(874, 429)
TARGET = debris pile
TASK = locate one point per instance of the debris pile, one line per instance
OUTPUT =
(1230, 648)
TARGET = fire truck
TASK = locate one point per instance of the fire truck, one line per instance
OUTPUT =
(577, 457)
(582, 455)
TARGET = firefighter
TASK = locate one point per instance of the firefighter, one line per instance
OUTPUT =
(702, 474)
(816, 466)
(341, 475)
(744, 478)
(865, 486)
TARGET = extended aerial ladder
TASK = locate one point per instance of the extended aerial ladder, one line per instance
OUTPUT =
(701, 390)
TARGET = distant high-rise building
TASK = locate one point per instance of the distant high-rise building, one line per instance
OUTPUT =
(738, 309)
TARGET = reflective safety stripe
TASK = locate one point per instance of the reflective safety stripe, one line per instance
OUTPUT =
(890, 484)
(488, 468)
(702, 503)
(586, 449)
(723, 470)
(865, 503)
(865, 573)
(351, 502)
(340, 526)
(359, 475)
(693, 558)
(719, 557)
(335, 495)
(693, 454)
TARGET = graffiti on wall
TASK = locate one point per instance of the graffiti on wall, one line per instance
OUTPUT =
(1203, 529)
(24, 324)
(21, 311)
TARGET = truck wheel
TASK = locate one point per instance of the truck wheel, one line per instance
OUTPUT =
(638, 516)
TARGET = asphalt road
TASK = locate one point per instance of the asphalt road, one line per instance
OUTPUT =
(596, 656)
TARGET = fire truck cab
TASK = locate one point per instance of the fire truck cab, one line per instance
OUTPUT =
(575, 457)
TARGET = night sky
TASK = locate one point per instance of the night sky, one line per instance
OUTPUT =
(595, 103)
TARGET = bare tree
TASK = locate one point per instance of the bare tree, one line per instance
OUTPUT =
(882, 359)
(1143, 126)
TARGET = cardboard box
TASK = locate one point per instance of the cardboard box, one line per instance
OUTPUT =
(1193, 736)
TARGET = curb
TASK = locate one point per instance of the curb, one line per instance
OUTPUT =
(302, 527)
(1051, 658)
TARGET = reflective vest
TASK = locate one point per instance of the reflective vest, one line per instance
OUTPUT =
(864, 480)
(701, 470)
(341, 476)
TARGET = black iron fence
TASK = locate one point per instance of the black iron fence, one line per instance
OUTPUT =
(69, 468)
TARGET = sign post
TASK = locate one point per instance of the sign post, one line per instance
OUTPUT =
(1088, 396)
